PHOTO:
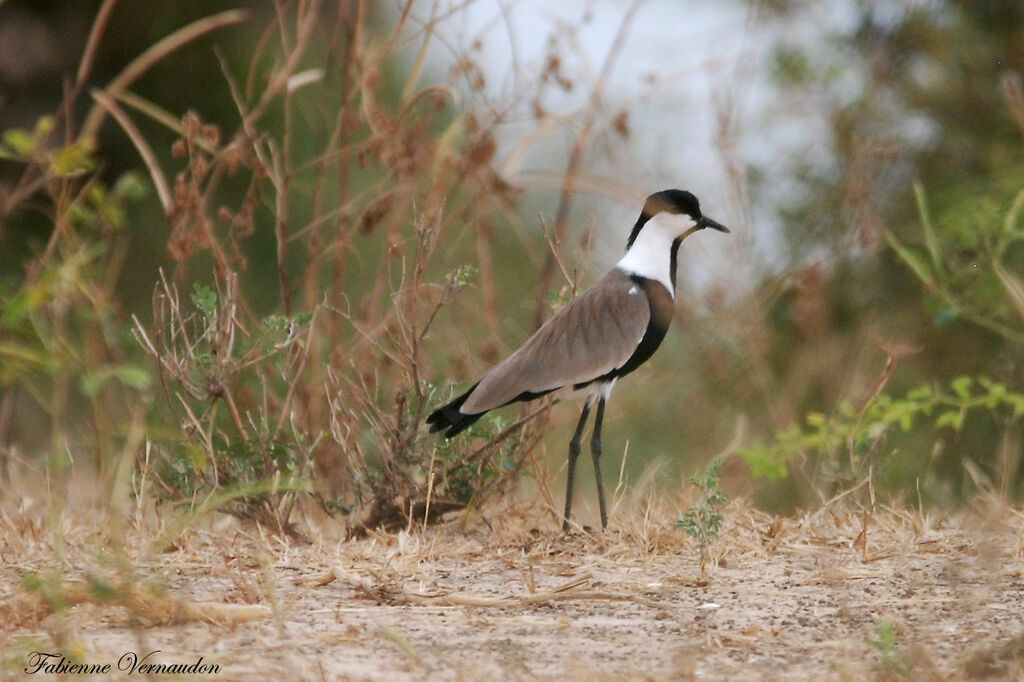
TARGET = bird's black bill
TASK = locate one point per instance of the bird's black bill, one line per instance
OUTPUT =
(713, 224)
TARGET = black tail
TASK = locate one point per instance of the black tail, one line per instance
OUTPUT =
(449, 419)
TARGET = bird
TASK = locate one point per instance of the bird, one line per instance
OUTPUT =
(600, 336)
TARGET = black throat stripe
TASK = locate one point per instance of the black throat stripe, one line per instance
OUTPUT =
(662, 307)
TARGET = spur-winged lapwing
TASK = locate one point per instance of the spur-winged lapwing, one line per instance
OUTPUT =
(604, 333)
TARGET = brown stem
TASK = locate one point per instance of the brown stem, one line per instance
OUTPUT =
(576, 159)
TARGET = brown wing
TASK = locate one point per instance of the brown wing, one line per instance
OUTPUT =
(596, 333)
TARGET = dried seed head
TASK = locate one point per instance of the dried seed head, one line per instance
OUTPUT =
(180, 189)
(480, 151)
(191, 124)
(373, 214)
(212, 133)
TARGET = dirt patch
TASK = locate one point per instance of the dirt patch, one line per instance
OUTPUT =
(505, 596)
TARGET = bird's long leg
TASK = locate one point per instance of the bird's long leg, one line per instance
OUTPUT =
(574, 452)
(595, 453)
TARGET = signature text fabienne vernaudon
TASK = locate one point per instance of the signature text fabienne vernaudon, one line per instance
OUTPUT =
(130, 663)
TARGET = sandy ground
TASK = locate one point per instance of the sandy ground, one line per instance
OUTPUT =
(506, 596)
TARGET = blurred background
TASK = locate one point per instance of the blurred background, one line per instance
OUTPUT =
(238, 246)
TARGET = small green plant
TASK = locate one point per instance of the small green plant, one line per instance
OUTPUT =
(969, 263)
(466, 475)
(850, 439)
(230, 446)
(703, 521)
(884, 643)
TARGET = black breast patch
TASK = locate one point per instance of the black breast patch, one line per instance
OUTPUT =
(662, 308)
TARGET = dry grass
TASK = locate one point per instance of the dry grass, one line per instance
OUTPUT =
(500, 593)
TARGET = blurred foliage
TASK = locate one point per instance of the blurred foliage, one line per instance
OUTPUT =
(852, 445)
(903, 231)
(62, 344)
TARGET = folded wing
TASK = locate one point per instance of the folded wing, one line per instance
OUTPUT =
(592, 336)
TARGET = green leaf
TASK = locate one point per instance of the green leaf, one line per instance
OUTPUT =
(44, 126)
(929, 230)
(113, 214)
(962, 387)
(81, 214)
(1017, 401)
(204, 298)
(134, 376)
(953, 419)
(816, 419)
(90, 384)
(75, 158)
(21, 143)
(277, 323)
(763, 464)
(920, 394)
(997, 394)
(463, 274)
(131, 186)
(14, 310)
(912, 259)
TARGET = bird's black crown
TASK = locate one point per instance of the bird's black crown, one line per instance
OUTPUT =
(674, 201)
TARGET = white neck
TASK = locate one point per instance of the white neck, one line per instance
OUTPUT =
(651, 254)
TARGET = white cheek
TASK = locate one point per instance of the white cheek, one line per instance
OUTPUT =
(671, 224)
(650, 254)
(685, 222)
